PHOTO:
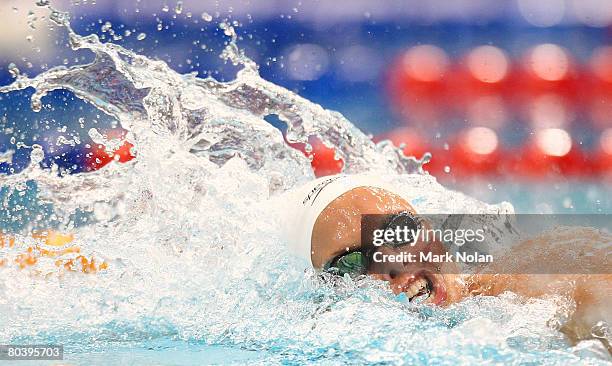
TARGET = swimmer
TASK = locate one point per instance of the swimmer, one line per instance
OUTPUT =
(324, 229)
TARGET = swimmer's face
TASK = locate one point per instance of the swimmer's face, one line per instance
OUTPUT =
(337, 232)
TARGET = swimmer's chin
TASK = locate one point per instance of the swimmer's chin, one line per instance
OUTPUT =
(421, 287)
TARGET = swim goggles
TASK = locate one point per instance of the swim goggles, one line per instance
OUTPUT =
(357, 261)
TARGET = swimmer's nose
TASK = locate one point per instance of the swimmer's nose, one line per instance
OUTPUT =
(400, 275)
(398, 281)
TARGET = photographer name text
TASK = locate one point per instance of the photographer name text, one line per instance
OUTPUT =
(430, 257)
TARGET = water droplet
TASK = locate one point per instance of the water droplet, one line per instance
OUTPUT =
(36, 105)
(141, 36)
(42, 3)
(179, 7)
(37, 155)
(447, 169)
(7, 156)
(59, 17)
(165, 8)
(106, 26)
(31, 19)
(206, 17)
(337, 155)
(96, 136)
(13, 70)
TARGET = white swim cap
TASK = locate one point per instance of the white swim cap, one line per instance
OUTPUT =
(304, 204)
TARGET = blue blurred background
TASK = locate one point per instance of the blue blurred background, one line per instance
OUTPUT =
(513, 98)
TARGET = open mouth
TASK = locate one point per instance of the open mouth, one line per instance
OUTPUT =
(424, 288)
(419, 290)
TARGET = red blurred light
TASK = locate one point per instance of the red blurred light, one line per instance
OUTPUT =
(476, 153)
(553, 141)
(551, 155)
(415, 144)
(603, 159)
(605, 141)
(417, 83)
(481, 140)
(549, 110)
(409, 139)
(549, 62)
(487, 111)
(98, 156)
(425, 63)
(601, 63)
(488, 64)
(324, 160)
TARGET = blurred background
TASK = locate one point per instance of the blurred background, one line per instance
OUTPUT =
(513, 98)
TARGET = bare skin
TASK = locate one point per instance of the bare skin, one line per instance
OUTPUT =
(338, 230)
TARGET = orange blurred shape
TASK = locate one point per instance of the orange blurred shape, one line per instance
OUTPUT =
(7, 241)
(82, 264)
(26, 259)
(54, 244)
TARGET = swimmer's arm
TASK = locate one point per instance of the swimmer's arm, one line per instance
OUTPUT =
(545, 267)
(590, 294)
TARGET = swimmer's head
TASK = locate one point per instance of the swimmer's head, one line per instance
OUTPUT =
(335, 241)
